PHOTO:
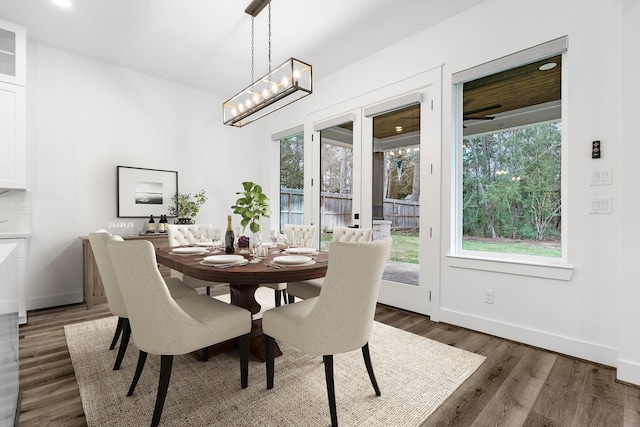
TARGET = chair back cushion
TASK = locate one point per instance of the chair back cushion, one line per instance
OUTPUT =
(98, 240)
(185, 234)
(347, 234)
(308, 233)
(342, 317)
(158, 324)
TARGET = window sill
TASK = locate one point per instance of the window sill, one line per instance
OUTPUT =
(544, 270)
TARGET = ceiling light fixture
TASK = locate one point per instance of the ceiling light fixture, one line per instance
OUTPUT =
(547, 66)
(62, 3)
(285, 84)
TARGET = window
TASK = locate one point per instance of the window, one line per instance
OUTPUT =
(510, 156)
(292, 179)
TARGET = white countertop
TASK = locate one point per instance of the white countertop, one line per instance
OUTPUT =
(14, 234)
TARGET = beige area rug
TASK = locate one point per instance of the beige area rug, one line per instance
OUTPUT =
(415, 375)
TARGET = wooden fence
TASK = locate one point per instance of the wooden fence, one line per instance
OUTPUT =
(336, 210)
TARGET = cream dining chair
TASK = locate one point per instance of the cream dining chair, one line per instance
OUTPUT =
(308, 234)
(177, 289)
(340, 319)
(311, 288)
(189, 234)
(166, 326)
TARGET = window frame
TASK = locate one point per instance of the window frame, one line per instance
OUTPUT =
(523, 265)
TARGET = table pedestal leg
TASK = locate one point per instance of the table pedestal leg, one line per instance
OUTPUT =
(244, 296)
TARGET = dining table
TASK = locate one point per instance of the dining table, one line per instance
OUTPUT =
(244, 278)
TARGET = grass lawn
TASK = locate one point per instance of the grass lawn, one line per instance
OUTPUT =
(406, 246)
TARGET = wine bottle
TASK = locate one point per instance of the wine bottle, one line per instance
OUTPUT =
(151, 227)
(161, 225)
(229, 237)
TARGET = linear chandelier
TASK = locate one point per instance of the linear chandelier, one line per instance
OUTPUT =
(281, 86)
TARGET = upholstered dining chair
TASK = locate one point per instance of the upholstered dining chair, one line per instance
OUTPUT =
(308, 234)
(166, 326)
(188, 234)
(311, 288)
(337, 321)
(177, 289)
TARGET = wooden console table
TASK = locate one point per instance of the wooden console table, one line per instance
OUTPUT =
(93, 291)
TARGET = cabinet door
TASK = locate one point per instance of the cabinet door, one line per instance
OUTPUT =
(12, 136)
(13, 53)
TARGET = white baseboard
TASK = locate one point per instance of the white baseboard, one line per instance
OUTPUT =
(54, 300)
(548, 341)
(628, 371)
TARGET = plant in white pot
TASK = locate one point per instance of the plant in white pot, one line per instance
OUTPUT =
(186, 207)
(252, 206)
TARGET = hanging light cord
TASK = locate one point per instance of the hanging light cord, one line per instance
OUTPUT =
(269, 37)
(252, 42)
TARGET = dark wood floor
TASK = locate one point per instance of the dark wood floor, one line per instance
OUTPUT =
(516, 386)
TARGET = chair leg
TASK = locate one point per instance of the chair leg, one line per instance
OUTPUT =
(285, 297)
(331, 391)
(205, 354)
(278, 295)
(291, 299)
(270, 348)
(208, 291)
(367, 362)
(126, 334)
(117, 333)
(166, 362)
(142, 357)
(243, 343)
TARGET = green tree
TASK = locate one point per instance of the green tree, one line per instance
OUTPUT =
(292, 161)
(511, 183)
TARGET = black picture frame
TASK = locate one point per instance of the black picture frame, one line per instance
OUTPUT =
(143, 192)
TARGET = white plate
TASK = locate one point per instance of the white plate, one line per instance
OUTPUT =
(301, 251)
(206, 244)
(223, 259)
(291, 260)
(190, 250)
(233, 264)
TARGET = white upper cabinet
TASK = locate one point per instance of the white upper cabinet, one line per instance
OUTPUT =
(13, 53)
(13, 109)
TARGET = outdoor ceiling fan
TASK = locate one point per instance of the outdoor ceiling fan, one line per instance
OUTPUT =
(468, 115)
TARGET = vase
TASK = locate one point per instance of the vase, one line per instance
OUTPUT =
(184, 221)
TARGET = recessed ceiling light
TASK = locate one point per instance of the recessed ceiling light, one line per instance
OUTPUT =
(547, 66)
(62, 3)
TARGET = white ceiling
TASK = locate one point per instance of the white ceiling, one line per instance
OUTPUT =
(206, 44)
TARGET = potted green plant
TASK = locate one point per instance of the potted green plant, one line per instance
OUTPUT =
(253, 205)
(185, 207)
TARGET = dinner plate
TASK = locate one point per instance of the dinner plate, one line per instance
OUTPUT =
(301, 251)
(223, 259)
(189, 250)
(291, 260)
(231, 264)
(206, 244)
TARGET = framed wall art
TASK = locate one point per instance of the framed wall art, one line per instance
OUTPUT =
(144, 192)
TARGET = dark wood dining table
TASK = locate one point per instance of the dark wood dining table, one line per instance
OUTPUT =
(243, 282)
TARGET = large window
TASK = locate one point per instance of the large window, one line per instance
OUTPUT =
(292, 179)
(510, 159)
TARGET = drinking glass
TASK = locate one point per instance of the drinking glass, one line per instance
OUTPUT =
(255, 242)
(216, 235)
(274, 238)
(298, 238)
(288, 239)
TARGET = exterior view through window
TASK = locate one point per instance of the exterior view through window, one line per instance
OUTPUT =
(511, 161)
(292, 180)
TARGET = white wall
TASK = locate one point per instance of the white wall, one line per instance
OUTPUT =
(85, 118)
(581, 316)
(629, 228)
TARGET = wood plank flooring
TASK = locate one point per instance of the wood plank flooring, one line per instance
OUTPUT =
(517, 385)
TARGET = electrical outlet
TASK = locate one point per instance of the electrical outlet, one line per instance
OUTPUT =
(488, 296)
